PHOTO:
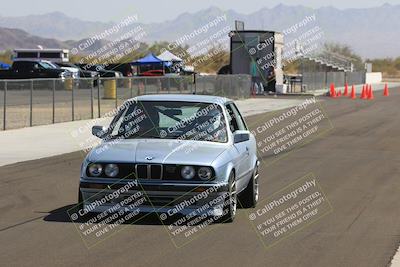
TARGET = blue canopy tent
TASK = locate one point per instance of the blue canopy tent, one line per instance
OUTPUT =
(148, 60)
(151, 60)
(4, 66)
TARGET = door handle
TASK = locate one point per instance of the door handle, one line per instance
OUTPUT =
(247, 151)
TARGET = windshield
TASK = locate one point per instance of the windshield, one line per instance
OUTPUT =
(47, 65)
(170, 120)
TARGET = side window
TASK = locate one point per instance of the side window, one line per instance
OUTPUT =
(235, 119)
(232, 119)
(239, 118)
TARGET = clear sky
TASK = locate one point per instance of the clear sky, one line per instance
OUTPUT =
(159, 10)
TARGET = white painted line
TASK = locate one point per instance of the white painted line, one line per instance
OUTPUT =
(396, 259)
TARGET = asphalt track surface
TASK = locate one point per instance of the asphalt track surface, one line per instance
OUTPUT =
(357, 164)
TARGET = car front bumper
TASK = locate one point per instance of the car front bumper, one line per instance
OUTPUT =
(168, 198)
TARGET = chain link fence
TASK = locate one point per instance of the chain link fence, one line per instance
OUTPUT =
(312, 81)
(26, 103)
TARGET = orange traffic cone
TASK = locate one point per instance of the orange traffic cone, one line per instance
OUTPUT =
(370, 93)
(353, 93)
(332, 91)
(386, 90)
(339, 94)
(346, 89)
(363, 93)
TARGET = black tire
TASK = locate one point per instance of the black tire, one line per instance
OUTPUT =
(230, 202)
(80, 199)
(249, 197)
(80, 206)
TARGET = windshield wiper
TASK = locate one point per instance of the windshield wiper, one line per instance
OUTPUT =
(155, 136)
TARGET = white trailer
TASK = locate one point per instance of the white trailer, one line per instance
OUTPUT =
(54, 55)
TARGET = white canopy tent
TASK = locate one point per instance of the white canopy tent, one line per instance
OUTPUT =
(167, 56)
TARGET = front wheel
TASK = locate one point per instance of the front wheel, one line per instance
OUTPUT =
(80, 199)
(230, 202)
(249, 196)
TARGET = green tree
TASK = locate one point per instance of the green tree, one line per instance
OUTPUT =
(6, 56)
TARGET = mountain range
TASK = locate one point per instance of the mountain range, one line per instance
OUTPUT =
(370, 32)
(16, 38)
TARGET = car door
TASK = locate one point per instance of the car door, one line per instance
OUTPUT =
(23, 70)
(250, 144)
(243, 169)
(40, 71)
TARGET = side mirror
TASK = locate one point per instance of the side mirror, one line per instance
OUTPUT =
(99, 131)
(241, 136)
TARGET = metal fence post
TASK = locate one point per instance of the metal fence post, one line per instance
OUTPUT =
(54, 101)
(195, 83)
(326, 79)
(5, 106)
(91, 99)
(116, 93)
(73, 104)
(98, 96)
(31, 105)
(131, 84)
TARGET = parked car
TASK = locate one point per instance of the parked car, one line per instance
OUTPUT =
(151, 73)
(173, 146)
(74, 71)
(33, 69)
(125, 68)
(101, 70)
(82, 73)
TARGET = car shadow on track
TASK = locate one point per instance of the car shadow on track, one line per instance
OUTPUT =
(62, 215)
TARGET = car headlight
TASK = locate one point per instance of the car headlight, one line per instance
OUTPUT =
(65, 74)
(111, 170)
(188, 172)
(95, 169)
(204, 173)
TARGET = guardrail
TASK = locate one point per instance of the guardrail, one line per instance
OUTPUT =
(27, 103)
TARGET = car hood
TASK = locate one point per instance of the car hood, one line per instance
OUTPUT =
(157, 151)
(56, 70)
(74, 70)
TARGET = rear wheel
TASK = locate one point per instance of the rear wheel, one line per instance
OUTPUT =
(249, 197)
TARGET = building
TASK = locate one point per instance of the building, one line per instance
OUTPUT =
(54, 55)
(258, 53)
